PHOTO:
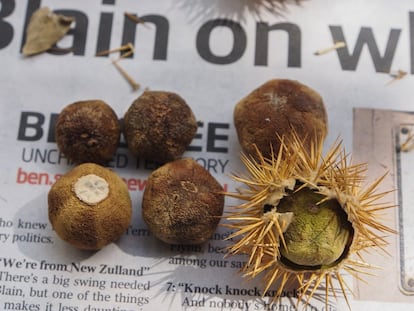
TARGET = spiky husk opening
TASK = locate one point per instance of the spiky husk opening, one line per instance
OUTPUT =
(261, 222)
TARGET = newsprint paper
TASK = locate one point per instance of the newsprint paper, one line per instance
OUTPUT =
(359, 55)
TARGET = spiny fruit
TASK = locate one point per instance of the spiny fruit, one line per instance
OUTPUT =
(304, 216)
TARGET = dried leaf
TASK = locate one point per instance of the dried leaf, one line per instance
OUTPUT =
(44, 30)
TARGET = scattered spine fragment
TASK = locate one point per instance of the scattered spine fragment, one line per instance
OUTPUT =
(337, 45)
(400, 74)
(128, 50)
(135, 18)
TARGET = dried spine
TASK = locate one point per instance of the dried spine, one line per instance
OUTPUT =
(128, 50)
(337, 45)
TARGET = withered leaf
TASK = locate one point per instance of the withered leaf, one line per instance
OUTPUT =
(44, 30)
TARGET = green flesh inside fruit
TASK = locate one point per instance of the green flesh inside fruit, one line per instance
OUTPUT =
(319, 235)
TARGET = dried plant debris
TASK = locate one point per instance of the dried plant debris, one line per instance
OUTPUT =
(127, 47)
(408, 143)
(278, 7)
(400, 74)
(135, 85)
(134, 18)
(45, 29)
(337, 45)
(128, 50)
(270, 5)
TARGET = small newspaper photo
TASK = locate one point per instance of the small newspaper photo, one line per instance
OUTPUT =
(384, 139)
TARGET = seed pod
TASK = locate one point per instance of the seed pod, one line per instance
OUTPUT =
(89, 206)
(182, 203)
(88, 131)
(158, 126)
(279, 108)
(304, 217)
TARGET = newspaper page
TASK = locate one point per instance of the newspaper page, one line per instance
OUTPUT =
(212, 53)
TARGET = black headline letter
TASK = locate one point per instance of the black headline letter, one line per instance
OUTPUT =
(366, 37)
(262, 43)
(6, 30)
(203, 42)
(36, 126)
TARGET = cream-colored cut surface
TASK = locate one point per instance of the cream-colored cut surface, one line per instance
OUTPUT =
(91, 189)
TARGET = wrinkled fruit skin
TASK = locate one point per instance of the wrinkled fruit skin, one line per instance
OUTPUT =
(276, 109)
(158, 126)
(182, 203)
(88, 131)
(319, 235)
(85, 226)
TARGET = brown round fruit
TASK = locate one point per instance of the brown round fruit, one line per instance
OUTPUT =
(275, 110)
(158, 126)
(88, 131)
(89, 206)
(182, 203)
